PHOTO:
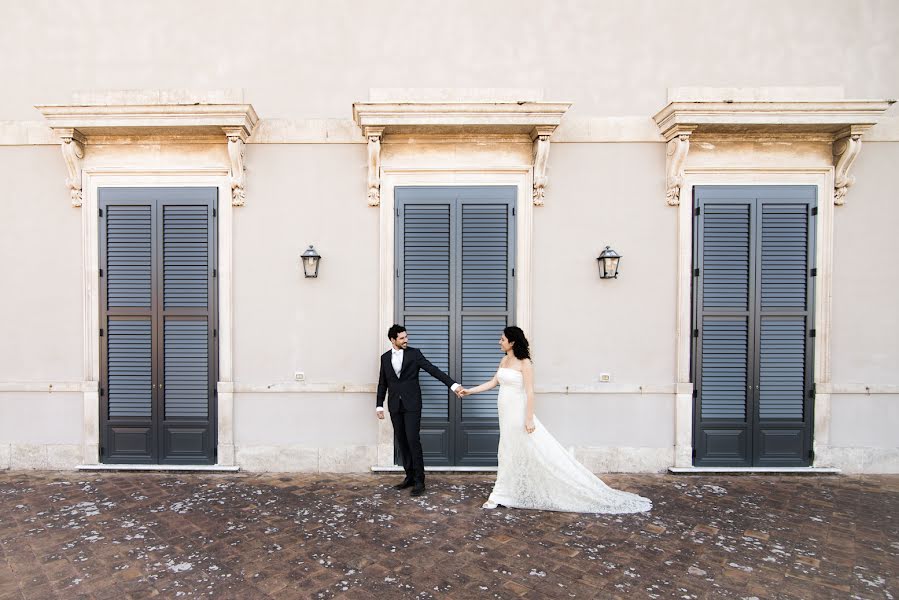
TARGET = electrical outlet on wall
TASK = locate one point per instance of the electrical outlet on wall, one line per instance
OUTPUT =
(605, 378)
(300, 376)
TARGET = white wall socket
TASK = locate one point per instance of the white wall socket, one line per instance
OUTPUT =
(300, 376)
(605, 378)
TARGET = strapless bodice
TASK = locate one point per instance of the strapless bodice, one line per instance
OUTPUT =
(510, 378)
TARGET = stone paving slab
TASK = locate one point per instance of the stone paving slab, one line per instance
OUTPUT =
(246, 536)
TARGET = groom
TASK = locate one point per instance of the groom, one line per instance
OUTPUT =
(399, 376)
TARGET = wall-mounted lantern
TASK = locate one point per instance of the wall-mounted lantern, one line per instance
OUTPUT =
(608, 264)
(310, 260)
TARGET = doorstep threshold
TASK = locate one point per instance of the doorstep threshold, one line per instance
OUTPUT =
(161, 468)
(756, 470)
(398, 469)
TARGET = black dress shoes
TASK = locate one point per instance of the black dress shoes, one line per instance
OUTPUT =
(404, 484)
(418, 490)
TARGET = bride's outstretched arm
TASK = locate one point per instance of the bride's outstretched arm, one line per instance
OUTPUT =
(527, 372)
(487, 385)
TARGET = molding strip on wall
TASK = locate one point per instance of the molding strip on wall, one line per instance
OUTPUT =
(573, 130)
(10, 387)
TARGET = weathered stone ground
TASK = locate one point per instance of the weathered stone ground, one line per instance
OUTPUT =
(139, 535)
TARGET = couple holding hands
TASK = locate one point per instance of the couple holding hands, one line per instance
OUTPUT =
(535, 471)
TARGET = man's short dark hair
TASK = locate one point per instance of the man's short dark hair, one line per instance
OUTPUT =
(395, 331)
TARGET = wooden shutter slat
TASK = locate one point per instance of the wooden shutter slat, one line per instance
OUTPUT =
(480, 356)
(129, 368)
(431, 336)
(129, 251)
(185, 256)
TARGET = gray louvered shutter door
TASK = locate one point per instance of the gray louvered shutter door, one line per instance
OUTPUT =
(157, 258)
(785, 301)
(723, 341)
(753, 301)
(454, 252)
(187, 250)
(127, 307)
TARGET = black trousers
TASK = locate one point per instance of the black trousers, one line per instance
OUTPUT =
(406, 431)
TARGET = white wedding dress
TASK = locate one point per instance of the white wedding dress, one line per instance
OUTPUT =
(536, 472)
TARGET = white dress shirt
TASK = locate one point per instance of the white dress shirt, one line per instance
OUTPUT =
(396, 360)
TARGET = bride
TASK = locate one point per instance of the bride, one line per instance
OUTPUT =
(535, 471)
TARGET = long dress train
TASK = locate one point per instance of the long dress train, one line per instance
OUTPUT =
(536, 472)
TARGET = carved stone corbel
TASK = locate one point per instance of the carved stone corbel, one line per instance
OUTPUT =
(373, 136)
(846, 146)
(237, 137)
(540, 137)
(676, 156)
(73, 154)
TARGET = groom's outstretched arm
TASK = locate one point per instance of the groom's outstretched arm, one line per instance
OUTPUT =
(433, 371)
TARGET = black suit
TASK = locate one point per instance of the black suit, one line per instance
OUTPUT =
(404, 404)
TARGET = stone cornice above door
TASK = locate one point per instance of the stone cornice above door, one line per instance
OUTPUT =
(839, 122)
(78, 126)
(535, 121)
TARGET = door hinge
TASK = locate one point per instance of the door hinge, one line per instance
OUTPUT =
(811, 454)
(694, 452)
(696, 272)
(213, 212)
(215, 333)
(397, 212)
(814, 272)
(214, 272)
(397, 273)
(513, 211)
(102, 451)
(695, 393)
(101, 272)
(215, 452)
(696, 333)
(100, 214)
(513, 271)
(102, 392)
(101, 332)
(697, 211)
(811, 392)
(814, 211)
(811, 333)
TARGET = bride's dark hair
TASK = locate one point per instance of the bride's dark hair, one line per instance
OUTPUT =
(520, 347)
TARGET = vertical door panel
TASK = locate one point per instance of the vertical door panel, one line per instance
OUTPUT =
(723, 340)
(186, 326)
(127, 304)
(786, 243)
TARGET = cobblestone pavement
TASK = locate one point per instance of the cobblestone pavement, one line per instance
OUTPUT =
(139, 535)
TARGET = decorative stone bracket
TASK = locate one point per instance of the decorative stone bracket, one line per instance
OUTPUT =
(846, 146)
(676, 151)
(76, 125)
(540, 137)
(73, 154)
(538, 120)
(841, 121)
(373, 135)
(237, 138)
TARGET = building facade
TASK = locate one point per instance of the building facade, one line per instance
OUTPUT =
(458, 168)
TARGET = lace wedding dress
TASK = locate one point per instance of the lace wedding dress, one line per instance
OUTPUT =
(536, 472)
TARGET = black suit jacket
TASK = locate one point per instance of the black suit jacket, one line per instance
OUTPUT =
(404, 392)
